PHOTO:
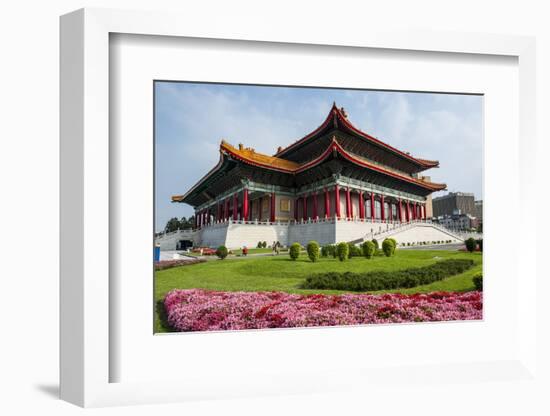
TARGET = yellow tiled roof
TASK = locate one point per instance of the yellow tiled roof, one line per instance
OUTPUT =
(251, 155)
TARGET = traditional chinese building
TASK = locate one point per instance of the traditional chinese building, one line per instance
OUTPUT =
(337, 183)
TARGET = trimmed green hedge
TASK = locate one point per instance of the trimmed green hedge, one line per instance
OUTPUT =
(342, 251)
(385, 280)
(313, 250)
(368, 249)
(478, 281)
(222, 252)
(294, 251)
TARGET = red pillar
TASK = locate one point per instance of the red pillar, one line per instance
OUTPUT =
(382, 210)
(327, 204)
(400, 212)
(348, 204)
(304, 207)
(415, 211)
(408, 211)
(272, 208)
(235, 204)
(337, 201)
(423, 212)
(245, 204)
(361, 206)
(315, 206)
(372, 207)
(260, 208)
(296, 208)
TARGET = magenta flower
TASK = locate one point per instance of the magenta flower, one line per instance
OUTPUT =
(202, 310)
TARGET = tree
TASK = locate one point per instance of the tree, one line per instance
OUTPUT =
(470, 244)
(173, 224)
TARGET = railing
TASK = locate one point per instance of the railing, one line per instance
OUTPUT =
(292, 221)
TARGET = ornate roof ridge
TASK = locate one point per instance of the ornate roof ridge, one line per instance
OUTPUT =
(337, 115)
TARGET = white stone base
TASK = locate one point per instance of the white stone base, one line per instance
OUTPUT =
(235, 235)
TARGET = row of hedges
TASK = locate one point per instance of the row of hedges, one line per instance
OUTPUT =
(427, 243)
(385, 280)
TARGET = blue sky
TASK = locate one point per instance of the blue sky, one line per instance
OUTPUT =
(191, 119)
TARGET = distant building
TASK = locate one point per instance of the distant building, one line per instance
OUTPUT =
(459, 222)
(479, 210)
(454, 203)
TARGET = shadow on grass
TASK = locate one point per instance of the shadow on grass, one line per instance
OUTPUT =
(163, 317)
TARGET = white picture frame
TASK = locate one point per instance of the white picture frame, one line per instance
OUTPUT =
(86, 305)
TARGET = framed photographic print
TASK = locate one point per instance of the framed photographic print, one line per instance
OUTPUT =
(228, 223)
(369, 242)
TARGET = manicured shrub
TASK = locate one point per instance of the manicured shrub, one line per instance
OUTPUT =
(386, 280)
(259, 245)
(470, 244)
(313, 250)
(354, 251)
(478, 281)
(342, 251)
(375, 241)
(368, 249)
(294, 251)
(264, 244)
(221, 252)
(387, 247)
(480, 244)
(328, 250)
(394, 241)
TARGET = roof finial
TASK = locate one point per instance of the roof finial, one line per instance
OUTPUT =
(343, 111)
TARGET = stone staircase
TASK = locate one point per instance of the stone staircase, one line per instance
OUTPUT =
(414, 231)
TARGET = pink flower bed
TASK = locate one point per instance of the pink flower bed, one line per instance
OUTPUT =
(202, 310)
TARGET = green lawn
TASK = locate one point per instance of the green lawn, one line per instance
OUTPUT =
(279, 273)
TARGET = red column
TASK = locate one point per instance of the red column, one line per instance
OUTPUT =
(372, 207)
(327, 204)
(260, 208)
(245, 204)
(415, 212)
(272, 210)
(361, 206)
(390, 213)
(399, 212)
(382, 210)
(348, 204)
(315, 206)
(296, 208)
(337, 201)
(423, 212)
(304, 207)
(235, 204)
(408, 211)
